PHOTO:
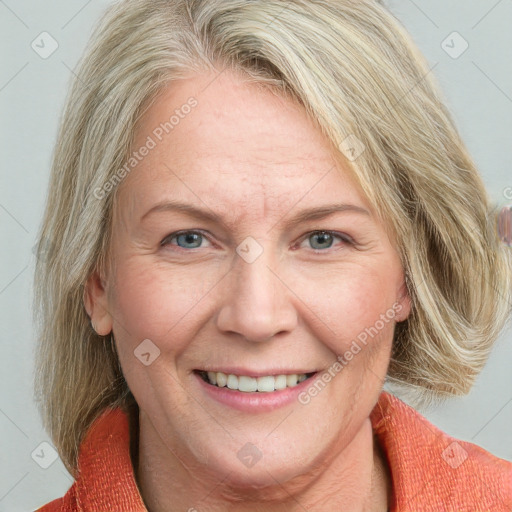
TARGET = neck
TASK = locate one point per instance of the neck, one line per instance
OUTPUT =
(353, 478)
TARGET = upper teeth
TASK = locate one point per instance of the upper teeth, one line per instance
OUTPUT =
(251, 384)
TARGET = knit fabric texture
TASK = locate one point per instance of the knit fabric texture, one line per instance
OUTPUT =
(430, 471)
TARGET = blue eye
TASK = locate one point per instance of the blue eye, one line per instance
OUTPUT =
(325, 239)
(184, 239)
(193, 239)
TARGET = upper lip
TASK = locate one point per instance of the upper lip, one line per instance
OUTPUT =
(255, 373)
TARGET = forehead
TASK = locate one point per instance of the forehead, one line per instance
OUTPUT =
(239, 145)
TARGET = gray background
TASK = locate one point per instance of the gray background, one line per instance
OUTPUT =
(478, 90)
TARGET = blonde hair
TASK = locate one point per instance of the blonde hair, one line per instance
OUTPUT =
(357, 73)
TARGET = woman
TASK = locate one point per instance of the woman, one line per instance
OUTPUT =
(259, 212)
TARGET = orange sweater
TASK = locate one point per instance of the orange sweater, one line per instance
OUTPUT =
(431, 471)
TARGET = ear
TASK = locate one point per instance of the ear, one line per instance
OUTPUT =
(403, 303)
(96, 304)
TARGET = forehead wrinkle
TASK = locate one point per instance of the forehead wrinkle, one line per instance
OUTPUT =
(259, 206)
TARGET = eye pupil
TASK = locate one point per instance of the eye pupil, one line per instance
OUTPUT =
(323, 238)
(189, 238)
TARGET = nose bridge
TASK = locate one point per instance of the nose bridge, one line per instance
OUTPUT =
(257, 304)
(256, 284)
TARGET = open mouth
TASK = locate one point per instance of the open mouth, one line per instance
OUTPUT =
(246, 384)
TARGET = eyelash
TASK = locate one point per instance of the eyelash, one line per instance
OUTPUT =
(343, 237)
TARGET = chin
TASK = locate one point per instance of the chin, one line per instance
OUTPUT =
(248, 469)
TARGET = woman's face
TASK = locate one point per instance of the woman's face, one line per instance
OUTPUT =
(238, 280)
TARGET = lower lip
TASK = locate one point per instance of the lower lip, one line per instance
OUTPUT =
(255, 401)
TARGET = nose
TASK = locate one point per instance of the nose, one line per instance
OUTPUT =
(257, 302)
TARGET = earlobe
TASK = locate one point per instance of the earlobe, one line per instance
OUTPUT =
(405, 310)
(96, 304)
(404, 304)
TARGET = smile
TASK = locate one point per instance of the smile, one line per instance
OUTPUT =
(246, 384)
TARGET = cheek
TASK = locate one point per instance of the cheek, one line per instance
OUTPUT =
(154, 301)
(351, 304)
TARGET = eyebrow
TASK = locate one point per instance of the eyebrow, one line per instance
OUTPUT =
(308, 214)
